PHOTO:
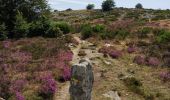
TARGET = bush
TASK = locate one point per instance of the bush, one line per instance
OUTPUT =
(90, 6)
(122, 33)
(53, 31)
(108, 5)
(64, 27)
(3, 33)
(87, 31)
(144, 31)
(99, 28)
(21, 28)
(164, 37)
(134, 85)
(39, 27)
(139, 6)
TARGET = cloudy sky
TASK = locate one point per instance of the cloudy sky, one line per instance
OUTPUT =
(81, 4)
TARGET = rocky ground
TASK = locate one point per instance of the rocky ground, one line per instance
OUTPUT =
(109, 74)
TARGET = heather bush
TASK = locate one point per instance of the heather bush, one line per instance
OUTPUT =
(165, 76)
(87, 31)
(19, 96)
(131, 49)
(66, 73)
(153, 61)
(115, 54)
(48, 87)
(139, 60)
(36, 50)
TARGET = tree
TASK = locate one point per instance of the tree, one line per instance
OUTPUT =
(108, 5)
(139, 6)
(90, 6)
(31, 10)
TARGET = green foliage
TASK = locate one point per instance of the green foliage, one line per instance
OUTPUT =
(144, 31)
(64, 27)
(139, 6)
(90, 6)
(99, 28)
(53, 31)
(39, 27)
(3, 33)
(164, 38)
(21, 28)
(133, 84)
(31, 10)
(122, 33)
(108, 5)
(87, 31)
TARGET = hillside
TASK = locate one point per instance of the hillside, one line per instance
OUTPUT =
(129, 50)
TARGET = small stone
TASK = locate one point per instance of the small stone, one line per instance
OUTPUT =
(113, 95)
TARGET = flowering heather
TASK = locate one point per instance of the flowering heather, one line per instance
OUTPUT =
(165, 76)
(49, 85)
(19, 96)
(65, 55)
(66, 73)
(111, 52)
(6, 44)
(131, 49)
(18, 85)
(153, 61)
(105, 50)
(139, 60)
(115, 54)
(21, 56)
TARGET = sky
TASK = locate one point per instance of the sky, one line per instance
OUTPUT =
(81, 4)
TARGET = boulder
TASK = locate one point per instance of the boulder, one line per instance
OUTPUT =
(81, 81)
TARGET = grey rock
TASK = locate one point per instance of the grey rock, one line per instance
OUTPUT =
(82, 79)
(113, 95)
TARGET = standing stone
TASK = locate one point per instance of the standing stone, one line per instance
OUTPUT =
(81, 81)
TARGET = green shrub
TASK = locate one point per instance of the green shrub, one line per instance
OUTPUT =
(164, 38)
(53, 31)
(21, 28)
(144, 31)
(87, 31)
(107, 35)
(64, 27)
(3, 33)
(108, 5)
(122, 33)
(133, 84)
(99, 28)
(39, 27)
